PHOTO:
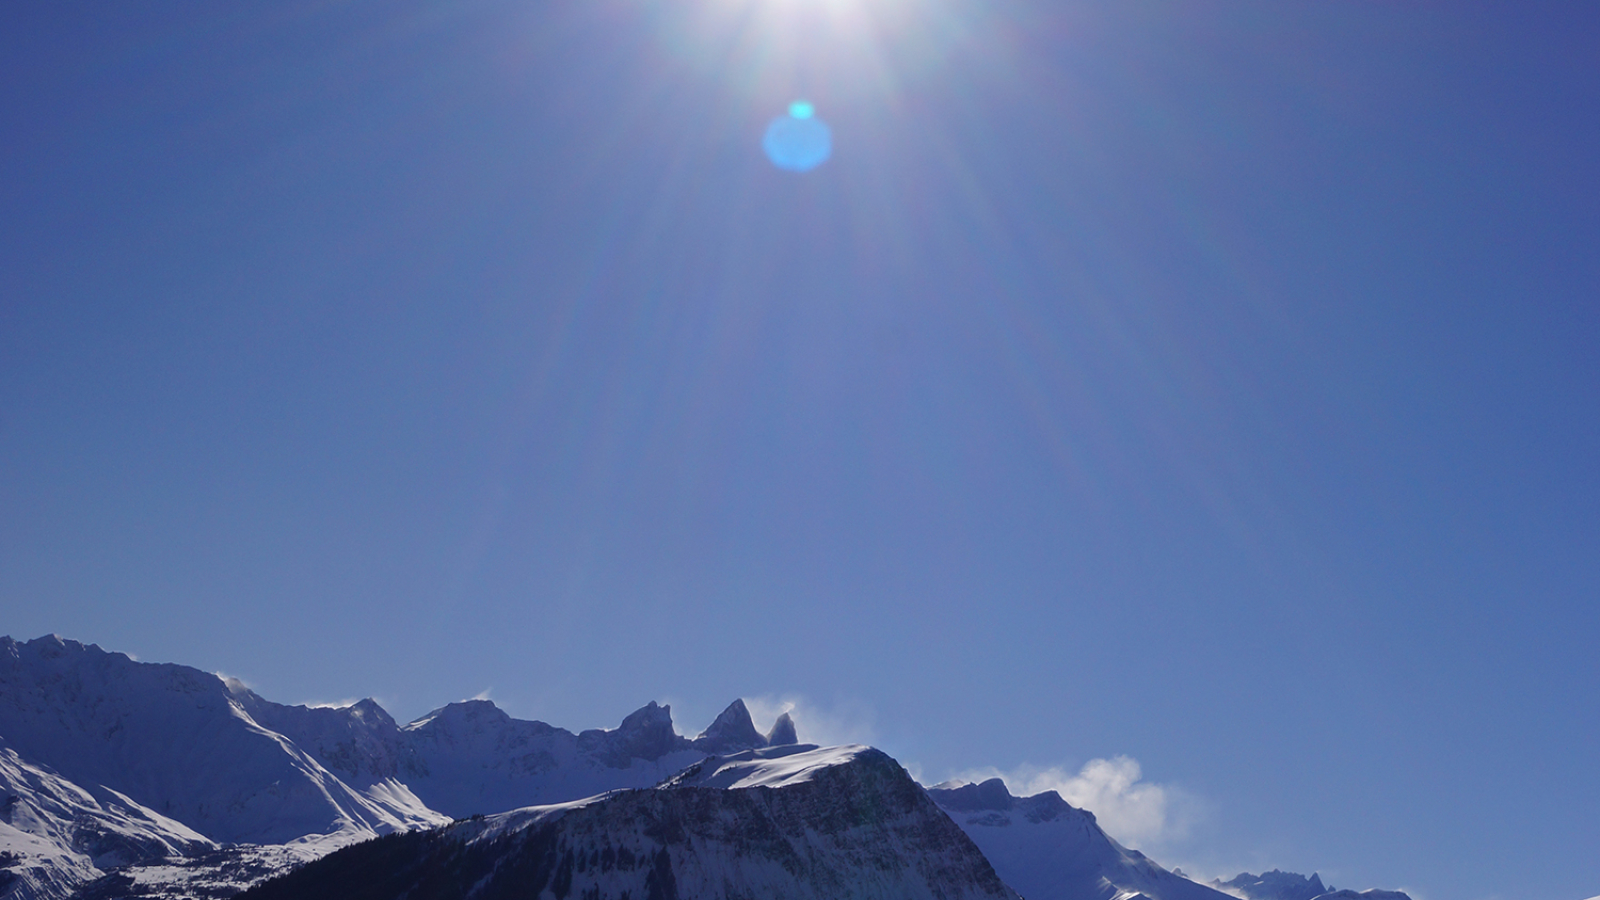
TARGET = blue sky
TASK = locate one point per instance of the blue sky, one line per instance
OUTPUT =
(1211, 384)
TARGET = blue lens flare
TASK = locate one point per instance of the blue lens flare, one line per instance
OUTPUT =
(799, 141)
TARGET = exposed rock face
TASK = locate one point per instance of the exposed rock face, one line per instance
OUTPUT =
(731, 732)
(985, 795)
(471, 758)
(783, 732)
(1276, 885)
(843, 823)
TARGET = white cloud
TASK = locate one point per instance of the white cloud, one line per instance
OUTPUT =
(481, 695)
(1136, 812)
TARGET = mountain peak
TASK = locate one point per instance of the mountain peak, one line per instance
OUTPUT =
(54, 646)
(650, 715)
(845, 823)
(985, 795)
(732, 731)
(783, 732)
(1277, 885)
(464, 713)
(646, 733)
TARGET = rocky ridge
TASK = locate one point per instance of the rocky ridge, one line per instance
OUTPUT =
(788, 823)
(1276, 885)
(1050, 850)
(122, 779)
(189, 784)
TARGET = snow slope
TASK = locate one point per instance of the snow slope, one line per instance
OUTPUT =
(790, 824)
(60, 835)
(1050, 850)
(190, 784)
(124, 779)
(1364, 895)
(178, 741)
(1276, 885)
(773, 767)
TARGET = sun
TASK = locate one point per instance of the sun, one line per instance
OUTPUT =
(831, 49)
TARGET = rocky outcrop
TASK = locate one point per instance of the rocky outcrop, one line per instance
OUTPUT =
(1275, 885)
(731, 732)
(843, 824)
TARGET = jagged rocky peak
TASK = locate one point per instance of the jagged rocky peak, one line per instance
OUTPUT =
(368, 709)
(783, 732)
(652, 715)
(646, 733)
(731, 732)
(991, 794)
(1276, 885)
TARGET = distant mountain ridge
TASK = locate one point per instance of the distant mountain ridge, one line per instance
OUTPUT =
(1276, 885)
(122, 779)
(156, 760)
(1050, 850)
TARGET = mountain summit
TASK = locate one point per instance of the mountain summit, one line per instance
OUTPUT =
(1276, 885)
(121, 779)
(109, 763)
(1049, 849)
(787, 823)
(731, 732)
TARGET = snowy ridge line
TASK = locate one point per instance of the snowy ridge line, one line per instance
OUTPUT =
(773, 767)
(147, 770)
(845, 824)
(123, 779)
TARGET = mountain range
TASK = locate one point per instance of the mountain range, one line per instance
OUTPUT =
(120, 778)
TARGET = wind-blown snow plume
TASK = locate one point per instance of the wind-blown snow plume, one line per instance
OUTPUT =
(833, 725)
(1137, 813)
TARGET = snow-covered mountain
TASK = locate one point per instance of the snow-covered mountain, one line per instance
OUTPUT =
(1276, 885)
(471, 757)
(59, 835)
(800, 822)
(1050, 850)
(174, 776)
(121, 779)
(178, 741)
